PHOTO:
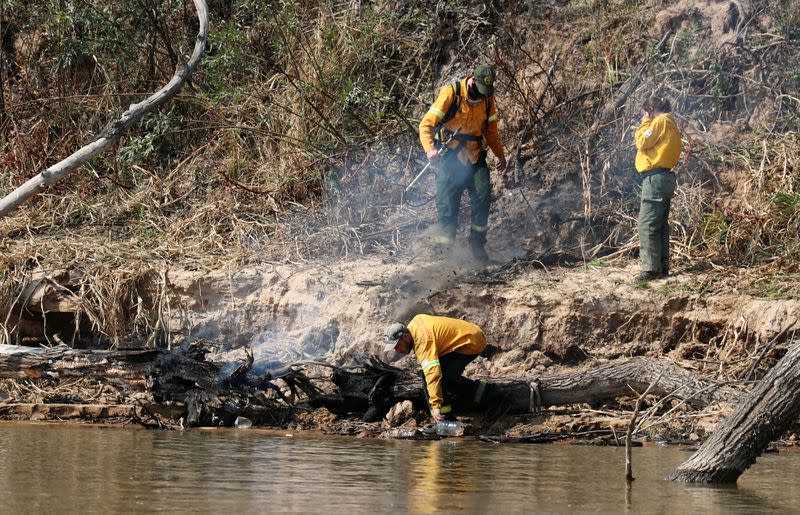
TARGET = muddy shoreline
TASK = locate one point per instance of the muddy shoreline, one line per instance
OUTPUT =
(14, 415)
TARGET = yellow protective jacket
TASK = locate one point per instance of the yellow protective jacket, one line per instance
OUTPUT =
(470, 117)
(438, 336)
(658, 143)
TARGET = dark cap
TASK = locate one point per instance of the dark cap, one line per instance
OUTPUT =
(484, 79)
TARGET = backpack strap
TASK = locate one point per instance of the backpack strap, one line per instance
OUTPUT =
(455, 105)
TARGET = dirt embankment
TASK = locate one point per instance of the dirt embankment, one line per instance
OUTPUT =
(533, 316)
(537, 320)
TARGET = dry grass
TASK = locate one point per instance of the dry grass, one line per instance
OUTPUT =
(297, 136)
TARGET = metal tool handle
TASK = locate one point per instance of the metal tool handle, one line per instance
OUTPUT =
(444, 148)
(417, 177)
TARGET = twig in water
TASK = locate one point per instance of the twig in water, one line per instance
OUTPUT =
(628, 467)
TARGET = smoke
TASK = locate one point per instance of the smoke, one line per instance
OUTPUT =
(308, 337)
(360, 217)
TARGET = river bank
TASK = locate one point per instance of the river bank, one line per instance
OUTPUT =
(315, 318)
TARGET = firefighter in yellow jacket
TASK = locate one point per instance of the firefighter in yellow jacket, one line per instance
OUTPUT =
(465, 110)
(658, 146)
(444, 347)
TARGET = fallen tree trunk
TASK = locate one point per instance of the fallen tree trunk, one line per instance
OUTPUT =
(156, 380)
(593, 386)
(115, 128)
(596, 385)
(130, 368)
(761, 418)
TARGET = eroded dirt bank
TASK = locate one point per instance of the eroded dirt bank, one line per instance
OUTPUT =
(555, 315)
(538, 319)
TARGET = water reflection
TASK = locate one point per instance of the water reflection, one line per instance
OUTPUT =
(92, 470)
(425, 480)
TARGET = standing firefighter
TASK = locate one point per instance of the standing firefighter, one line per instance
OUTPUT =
(467, 105)
(444, 347)
(658, 145)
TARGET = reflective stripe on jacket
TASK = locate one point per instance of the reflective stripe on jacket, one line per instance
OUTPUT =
(658, 143)
(438, 336)
(470, 117)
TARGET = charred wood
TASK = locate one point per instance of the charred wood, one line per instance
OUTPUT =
(213, 395)
(209, 395)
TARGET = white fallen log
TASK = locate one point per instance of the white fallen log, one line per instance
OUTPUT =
(115, 128)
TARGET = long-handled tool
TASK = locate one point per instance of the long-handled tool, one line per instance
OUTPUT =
(444, 148)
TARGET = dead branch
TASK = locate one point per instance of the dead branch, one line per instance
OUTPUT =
(629, 434)
(115, 128)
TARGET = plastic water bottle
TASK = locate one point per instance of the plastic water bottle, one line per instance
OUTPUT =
(242, 423)
(449, 428)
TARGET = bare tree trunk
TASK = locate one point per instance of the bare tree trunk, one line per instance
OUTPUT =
(598, 384)
(116, 128)
(762, 417)
(591, 386)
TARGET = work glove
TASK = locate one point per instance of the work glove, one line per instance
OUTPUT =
(501, 163)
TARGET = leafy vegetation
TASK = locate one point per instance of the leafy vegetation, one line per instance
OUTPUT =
(297, 135)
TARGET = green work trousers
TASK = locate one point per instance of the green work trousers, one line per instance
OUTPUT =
(458, 392)
(658, 187)
(452, 178)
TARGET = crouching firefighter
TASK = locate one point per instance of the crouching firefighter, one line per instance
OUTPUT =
(467, 105)
(444, 347)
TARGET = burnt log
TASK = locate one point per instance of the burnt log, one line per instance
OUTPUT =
(130, 367)
(214, 395)
(762, 417)
(209, 395)
(133, 369)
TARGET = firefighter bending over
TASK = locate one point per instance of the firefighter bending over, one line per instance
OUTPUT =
(444, 347)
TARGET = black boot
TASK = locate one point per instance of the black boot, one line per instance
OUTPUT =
(647, 276)
(477, 241)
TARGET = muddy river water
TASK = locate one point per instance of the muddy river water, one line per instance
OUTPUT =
(66, 469)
